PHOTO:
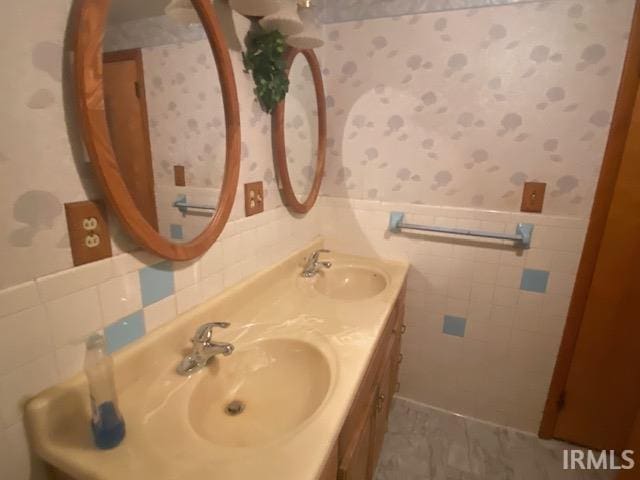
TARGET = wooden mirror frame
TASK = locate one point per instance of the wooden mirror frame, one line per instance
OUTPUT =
(90, 28)
(279, 145)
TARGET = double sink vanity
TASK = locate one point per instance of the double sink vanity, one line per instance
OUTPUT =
(297, 386)
(287, 375)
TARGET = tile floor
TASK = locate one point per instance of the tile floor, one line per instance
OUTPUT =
(424, 443)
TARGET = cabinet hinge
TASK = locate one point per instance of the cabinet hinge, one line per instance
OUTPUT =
(136, 86)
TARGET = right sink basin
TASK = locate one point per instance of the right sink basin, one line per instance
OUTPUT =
(350, 282)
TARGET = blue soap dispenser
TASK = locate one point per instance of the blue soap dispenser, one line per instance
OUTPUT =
(107, 423)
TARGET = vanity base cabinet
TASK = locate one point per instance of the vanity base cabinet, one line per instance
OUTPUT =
(363, 432)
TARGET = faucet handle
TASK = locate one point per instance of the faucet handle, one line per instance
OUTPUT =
(205, 332)
(316, 254)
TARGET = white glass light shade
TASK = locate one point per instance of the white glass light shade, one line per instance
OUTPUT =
(182, 12)
(255, 8)
(311, 36)
(285, 20)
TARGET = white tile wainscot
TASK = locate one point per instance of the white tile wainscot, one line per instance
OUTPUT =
(500, 369)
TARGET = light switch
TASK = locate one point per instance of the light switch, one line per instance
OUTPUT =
(533, 197)
(179, 176)
(88, 231)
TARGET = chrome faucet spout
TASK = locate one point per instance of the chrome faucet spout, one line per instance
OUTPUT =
(204, 349)
(313, 265)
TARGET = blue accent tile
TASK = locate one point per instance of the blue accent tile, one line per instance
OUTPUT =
(156, 282)
(176, 231)
(534, 280)
(124, 331)
(454, 325)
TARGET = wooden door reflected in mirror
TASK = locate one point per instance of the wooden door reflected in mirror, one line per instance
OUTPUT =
(126, 108)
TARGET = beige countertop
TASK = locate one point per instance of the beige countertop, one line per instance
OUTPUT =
(167, 436)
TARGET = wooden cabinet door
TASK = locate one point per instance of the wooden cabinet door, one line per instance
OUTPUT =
(382, 404)
(396, 359)
(330, 471)
(396, 354)
(363, 433)
(356, 462)
(380, 421)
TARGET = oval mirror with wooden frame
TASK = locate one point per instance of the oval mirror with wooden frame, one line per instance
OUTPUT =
(300, 132)
(160, 117)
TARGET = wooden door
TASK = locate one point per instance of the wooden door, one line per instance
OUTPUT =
(126, 109)
(633, 444)
(602, 392)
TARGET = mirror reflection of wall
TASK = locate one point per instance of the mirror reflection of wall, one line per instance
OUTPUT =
(301, 128)
(165, 114)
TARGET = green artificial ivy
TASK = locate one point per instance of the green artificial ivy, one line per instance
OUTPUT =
(265, 60)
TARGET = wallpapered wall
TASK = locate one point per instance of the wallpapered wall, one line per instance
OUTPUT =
(461, 108)
(423, 112)
(187, 127)
(42, 163)
(186, 116)
(346, 10)
(37, 168)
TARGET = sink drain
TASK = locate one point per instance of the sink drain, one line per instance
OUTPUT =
(234, 408)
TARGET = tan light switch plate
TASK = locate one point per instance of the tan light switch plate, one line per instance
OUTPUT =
(179, 176)
(533, 197)
(253, 198)
(88, 231)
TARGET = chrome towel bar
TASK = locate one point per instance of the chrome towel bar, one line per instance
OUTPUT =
(182, 205)
(522, 237)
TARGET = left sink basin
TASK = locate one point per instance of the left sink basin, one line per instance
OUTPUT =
(261, 393)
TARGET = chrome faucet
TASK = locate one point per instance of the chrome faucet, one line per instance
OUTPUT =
(312, 267)
(204, 348)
